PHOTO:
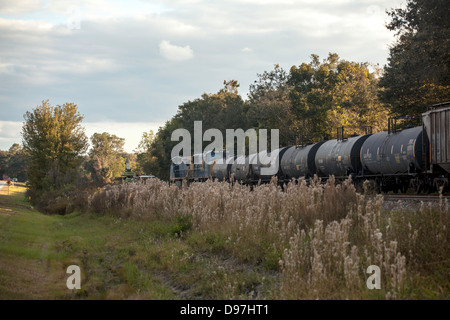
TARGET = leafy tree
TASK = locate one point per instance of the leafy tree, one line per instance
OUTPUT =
(156, 159)
(417, 74)
(269, 104)
(16, 163)
(55, 141)
(13, 162)
(146, 141)
(144, 157)
(333, 93)
(3, 163)
(107, 157)
(355, 104)
(311, 96)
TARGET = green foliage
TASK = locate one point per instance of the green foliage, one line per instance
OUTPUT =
(146, 141)
(417, 74)
(269, 104)
(3, 162)
(17, 162)
(183, 224)
(355, 104)
(13, 162)
(331, 94)
(144, 157)
(156, 159)
(107, 157)
(54, 141)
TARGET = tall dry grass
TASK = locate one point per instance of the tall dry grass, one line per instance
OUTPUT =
(320, 237)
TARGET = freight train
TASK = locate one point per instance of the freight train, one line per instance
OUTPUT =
(393, 160)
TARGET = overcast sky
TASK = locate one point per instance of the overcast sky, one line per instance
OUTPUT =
(128, 65)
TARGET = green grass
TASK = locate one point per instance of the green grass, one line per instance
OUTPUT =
(118, 258)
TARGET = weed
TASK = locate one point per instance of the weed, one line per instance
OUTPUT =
(320, 237)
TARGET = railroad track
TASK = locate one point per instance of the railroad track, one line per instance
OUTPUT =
(415, 197)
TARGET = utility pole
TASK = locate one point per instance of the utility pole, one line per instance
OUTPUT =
(8, 183)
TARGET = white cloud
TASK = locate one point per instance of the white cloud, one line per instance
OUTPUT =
(10, 129)
(119, 66)
(33, 27)
(174, 52)
(10, 134)
(12, 7)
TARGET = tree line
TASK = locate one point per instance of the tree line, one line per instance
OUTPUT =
(13, 162)
(306, 103)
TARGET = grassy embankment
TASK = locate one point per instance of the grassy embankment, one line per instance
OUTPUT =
(217, 241)
(119, 258)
